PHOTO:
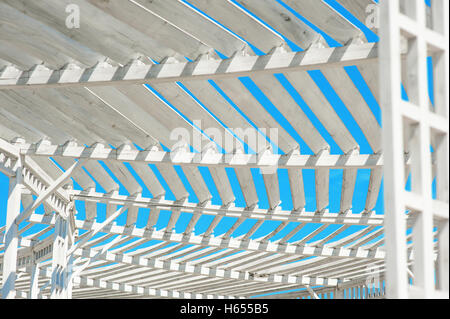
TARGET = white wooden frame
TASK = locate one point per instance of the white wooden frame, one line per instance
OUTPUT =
(187, 265)
(397, 114)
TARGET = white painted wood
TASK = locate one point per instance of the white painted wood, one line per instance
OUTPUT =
(291, 111)
(230, 15)
(353, 100)
(282, 20)
(247, 103)
(370, 73)
(359, 9)
(122, 173)
(170, 176)
(348, 186)
(326, 19)
(174, 215)
(60, 261)
(132, 215)
(149, 179)
(133, 114)
(395, 227)
(375, 179)
(198, 184)
(121, 42)
(25, 32)
(271, 184)
(90, 211)
(297, 189)
(249, 245)
(34, 288)
(152, 218)
(194, 24)
(145, 21)
(47, 192)
(15, 57)
(79, 175)
(320, 106)
(101, 176)
(239, 65)
(9, 272)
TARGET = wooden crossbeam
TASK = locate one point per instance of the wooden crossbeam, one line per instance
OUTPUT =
(45, 194)
(139, 73)
(135, 289)
(209, 159)
(223, 242)
(348, 217)
(157, 263)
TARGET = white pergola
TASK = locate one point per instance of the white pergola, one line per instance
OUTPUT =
(81, 135)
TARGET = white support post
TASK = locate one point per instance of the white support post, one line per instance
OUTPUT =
(60, 264)
(426, 125)
(441, 81)
(390, 79)
(34, 288)
(11, 237)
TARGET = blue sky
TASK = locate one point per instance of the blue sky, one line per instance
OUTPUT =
(308, 175)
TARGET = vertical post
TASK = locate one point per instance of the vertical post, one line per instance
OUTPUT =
(390, 97)
(34, 288)
(441, 100)
(59, 260)
(423, 266)
(11, 238)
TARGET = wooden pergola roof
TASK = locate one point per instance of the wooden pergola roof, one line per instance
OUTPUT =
(75, 103)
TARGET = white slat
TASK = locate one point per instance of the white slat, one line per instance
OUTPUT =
(198, 184)
(349, 94)
(12, 55)
(101, 176)
(152, 218)
(78, 175)
(256, 112)
(348, 186)
(18, 107)
(317, 102)
(376, 176)
(149, 179)
(113, 129)
(124, 176)
(25, 32)
(233, 17)
(147, 22)
(359, 9)
(322, 181)
(120, 42)
(282, 20)
(297, 188)
(90, 210)
(173, 180)
(192, 23)
(132, 215)
(325, 18)
(273, 89)
(369, 72)
(272, 188)
(193, 111)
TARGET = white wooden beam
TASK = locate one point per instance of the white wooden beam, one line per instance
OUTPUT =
(390, 79)
(348, 217)
(156, 263)
(9, 272)
(50, 189)
(222, 242)
(208, 159)
(140, 73)
(136, 289)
